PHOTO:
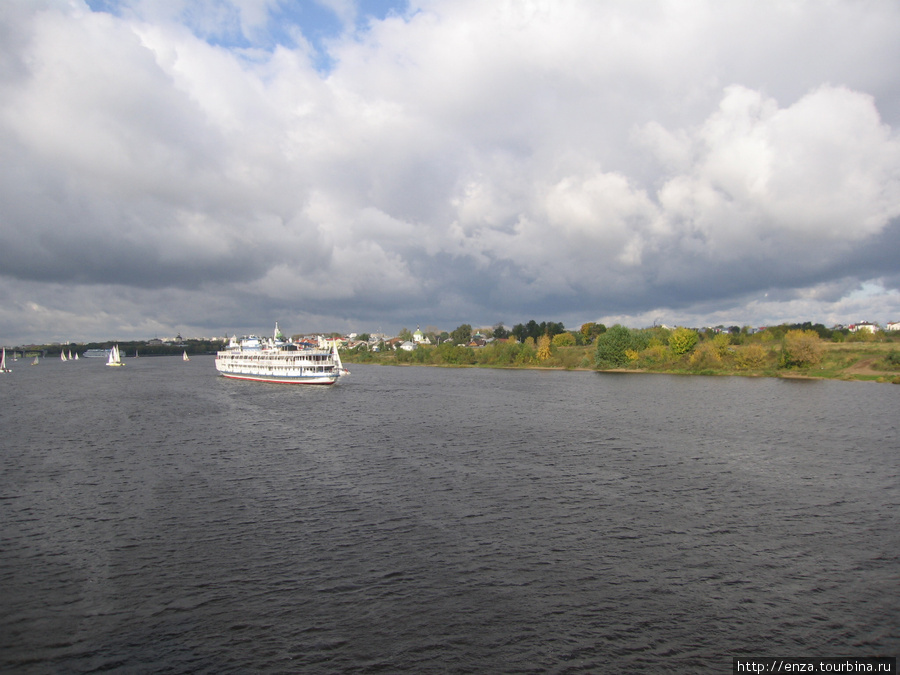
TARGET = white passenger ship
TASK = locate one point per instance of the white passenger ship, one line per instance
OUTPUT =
(277, 360)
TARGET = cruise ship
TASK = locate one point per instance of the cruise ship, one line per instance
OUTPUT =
(278, 360)
(96, 354)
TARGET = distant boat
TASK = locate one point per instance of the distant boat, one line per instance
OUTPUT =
(70, 355)
(136, 353)
(76, 356)
(114, 358)
(36, 361)
(184, 356)
(3, 368)
(96, 354)
(62, 356)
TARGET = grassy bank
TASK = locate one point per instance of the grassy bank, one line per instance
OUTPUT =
(865, 361)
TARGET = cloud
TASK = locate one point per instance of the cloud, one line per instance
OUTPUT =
(458, 162)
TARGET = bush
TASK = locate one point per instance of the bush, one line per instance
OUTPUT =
(750, 357)
(655, 354)
(564, 340)
(801, 348)
(613, 344)
(705, 357)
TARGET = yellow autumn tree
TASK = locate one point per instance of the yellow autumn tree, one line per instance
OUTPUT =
(801, 348)
(543, 347)
(751, 357)
(682, 340)
(564, 340)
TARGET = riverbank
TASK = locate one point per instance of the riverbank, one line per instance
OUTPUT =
(856, 361)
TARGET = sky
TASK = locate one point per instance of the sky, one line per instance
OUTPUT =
(210, 167)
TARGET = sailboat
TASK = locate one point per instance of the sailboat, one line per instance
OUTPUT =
(338, 366)
(184, 356)
(36, 360)
(3, 368)
(114, 358)
(76, 356)
(62, 356)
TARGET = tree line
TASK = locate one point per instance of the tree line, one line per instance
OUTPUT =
(548, 344)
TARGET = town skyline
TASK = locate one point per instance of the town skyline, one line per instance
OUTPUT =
(433, 330)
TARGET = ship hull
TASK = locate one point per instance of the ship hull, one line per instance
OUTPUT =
(281, 380)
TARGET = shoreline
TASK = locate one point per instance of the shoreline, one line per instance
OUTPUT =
(877, 377)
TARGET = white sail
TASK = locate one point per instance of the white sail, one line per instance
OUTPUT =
(62, 356)
(338, 365)
(184, 356)
(3, 368)
(114, 358)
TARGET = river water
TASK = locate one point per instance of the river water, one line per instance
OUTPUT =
(158, 518)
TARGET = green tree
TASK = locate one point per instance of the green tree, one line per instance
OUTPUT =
(682, 340)
(500, 332)
(405, 335)
(612, 346)
(461, 335)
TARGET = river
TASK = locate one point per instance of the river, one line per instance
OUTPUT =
(158, 518)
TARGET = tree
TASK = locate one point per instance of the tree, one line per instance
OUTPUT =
(462, 335)
(612, 346)
(682, 340)
(722, 343)
(552, 328)
(534, 330)
(405, 335)
(564, 340)
(591, 330)
(543, 347)
(519, 332)
(750, 357)
(801, 348)
(500, 332)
